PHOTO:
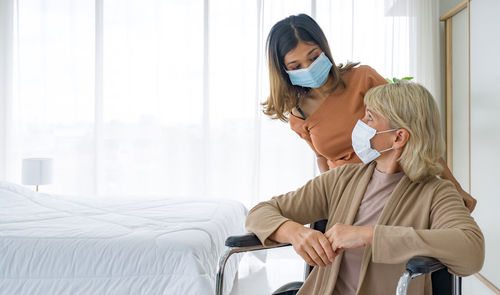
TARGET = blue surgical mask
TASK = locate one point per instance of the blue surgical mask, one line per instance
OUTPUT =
(361, 136)
(313, 76)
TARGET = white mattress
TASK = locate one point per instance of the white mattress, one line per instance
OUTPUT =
(55, 245)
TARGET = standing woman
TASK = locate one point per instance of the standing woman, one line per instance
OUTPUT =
(322, 101)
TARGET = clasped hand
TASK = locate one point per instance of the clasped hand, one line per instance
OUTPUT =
(319, 249)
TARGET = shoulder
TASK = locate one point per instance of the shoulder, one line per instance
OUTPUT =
(364, 76)
(370, 73)
(366, 69)
(436, 183)
(361, 70)
(439, 189)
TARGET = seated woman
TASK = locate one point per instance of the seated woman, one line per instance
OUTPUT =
(381, 213)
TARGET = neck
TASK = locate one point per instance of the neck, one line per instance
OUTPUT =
(388, 163)
(391, 168)
(325, 89)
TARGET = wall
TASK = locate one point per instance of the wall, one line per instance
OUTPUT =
(484, 129)
(485, 122)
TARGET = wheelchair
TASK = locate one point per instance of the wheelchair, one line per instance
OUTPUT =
(443, 282)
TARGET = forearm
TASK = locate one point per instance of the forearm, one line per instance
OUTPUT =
(451, 235)
(263, 220)
(286, 232)
(305, 205)
(461, 250)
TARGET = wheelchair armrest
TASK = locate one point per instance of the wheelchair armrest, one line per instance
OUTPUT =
(239, 244)
(245, 240)
(421, 264)
(248, 242)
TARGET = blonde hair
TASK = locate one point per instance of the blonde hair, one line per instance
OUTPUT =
(411, 106)
(284, 36)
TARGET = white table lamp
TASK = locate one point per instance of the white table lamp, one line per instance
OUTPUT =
(37, 171)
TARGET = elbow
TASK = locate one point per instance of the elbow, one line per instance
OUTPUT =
(473, 258)
(250, 220)
(249, 225)
(255, 217)
(477, 252)
(478, 261)
(475, 264)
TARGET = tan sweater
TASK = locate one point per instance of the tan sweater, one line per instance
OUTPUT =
(419, 219)
(377, 193)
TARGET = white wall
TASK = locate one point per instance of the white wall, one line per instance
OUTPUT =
(485, 135)
(485, 127)
(460, 90)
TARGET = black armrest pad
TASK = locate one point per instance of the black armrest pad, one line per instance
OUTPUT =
(245, 240)
(421, 264)
(320, 225)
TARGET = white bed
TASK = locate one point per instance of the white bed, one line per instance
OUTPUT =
(56, 245)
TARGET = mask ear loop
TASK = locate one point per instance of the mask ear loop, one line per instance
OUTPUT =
(390, 130)
(387, 149)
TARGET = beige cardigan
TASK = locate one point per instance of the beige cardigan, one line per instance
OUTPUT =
(419, 219)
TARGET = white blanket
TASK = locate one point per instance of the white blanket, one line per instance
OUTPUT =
(57, 245)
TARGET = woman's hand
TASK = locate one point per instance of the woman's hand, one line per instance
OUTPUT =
(343, 237)
(469, 201)
(312, 246)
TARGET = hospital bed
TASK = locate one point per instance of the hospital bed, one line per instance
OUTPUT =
(443, 282)
(53, 244)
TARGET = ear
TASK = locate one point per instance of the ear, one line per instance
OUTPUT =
(402, 136)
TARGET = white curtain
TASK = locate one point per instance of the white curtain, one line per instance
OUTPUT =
(153, 97)
(6, 83)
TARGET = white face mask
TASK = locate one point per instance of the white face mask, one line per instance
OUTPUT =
(361, 135)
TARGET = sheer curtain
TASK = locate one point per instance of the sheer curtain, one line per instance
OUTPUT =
(145, 98)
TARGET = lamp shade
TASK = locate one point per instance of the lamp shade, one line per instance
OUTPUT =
(37, 171)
